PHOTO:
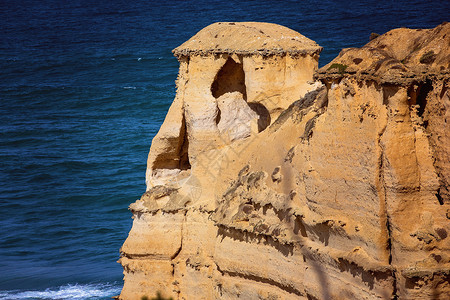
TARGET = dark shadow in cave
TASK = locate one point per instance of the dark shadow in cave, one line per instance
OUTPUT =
(263, 113)
(230, 78)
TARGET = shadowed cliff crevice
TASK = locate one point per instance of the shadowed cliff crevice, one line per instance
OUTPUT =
(177, 157)
(367, 276)
(388, 92)
(268, 281)
(417, 95)
(316, 99)
(177, 252)
(145, 256)
(251, 237)
(431, 100)
(263, 115)
(184, 163)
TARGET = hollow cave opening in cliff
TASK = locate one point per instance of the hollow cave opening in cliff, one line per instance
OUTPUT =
(424, 89)
(230, 78)
(418, 95)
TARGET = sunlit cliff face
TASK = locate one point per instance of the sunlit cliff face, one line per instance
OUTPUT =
(265, 184)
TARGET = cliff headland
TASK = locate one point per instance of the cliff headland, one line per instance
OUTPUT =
(273, 179)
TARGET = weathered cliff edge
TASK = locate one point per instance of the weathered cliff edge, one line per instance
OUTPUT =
(270, 179)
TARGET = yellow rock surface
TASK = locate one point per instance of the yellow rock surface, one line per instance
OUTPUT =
(265, 184)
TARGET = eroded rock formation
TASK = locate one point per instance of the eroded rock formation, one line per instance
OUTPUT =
(270, 179)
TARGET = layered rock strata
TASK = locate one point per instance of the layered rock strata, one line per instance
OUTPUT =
(270, 179)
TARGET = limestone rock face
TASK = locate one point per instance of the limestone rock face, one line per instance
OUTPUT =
(400, 56)
(265, 184)
(247, 38)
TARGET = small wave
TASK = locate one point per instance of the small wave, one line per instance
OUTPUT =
(129, 87)
(70, 291)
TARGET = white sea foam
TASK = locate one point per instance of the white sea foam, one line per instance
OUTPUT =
(75, 291)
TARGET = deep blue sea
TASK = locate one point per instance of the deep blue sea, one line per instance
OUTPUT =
(84, 87)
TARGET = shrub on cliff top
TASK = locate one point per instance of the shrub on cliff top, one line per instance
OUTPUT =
(340, 67)
(428, 57)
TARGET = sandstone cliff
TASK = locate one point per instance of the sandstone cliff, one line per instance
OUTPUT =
(270, 179)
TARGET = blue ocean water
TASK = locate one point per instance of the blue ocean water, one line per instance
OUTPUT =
(84, 87)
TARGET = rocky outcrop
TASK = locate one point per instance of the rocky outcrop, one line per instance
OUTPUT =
(270, 179)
